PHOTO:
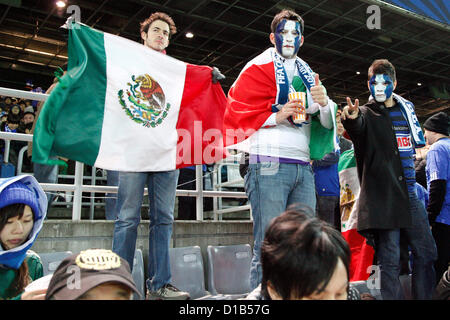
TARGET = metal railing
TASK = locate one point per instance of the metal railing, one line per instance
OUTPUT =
(78, 187)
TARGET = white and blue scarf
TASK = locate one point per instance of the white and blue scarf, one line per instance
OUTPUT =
(407, 109)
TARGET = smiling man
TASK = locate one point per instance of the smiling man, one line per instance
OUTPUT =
(279, 171)
(385, 133)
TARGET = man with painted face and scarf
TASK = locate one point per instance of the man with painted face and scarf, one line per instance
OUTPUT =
(385, 133)
(260, 119)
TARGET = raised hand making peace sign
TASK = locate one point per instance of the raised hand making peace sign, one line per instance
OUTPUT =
(351, 110)
(318, 92)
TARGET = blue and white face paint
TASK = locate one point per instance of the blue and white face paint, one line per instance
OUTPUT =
(381, 87)
(287, 38)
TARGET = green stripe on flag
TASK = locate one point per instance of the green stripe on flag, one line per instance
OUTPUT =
(347, 160)
(70, 122)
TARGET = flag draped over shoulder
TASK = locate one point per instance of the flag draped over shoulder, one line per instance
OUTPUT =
(361, 253)
(123, 106)
(250, 102)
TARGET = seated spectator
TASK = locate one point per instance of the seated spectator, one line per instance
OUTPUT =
(11, 125)
(23, 207)
(27, 120)
(16, 111)
(303, 258)
(7, 103)
(3, 117)
(93, 274)
(22, 105)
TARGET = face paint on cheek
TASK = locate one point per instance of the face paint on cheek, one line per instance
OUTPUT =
(279, 37)
(298, 37)
(389, 86)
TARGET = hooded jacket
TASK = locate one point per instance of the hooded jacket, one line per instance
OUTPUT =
(11, 260)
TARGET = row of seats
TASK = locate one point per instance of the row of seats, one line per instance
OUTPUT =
(228, 270)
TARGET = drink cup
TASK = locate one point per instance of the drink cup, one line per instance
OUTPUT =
(301, 115)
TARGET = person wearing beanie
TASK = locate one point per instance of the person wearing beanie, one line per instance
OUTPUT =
(26, 123)
(101, 275)
(438, 183)
(23, 207)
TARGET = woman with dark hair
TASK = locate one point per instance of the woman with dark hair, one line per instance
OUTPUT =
(23, 206)
(303, 258)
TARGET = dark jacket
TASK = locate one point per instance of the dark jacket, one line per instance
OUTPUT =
(383, 201)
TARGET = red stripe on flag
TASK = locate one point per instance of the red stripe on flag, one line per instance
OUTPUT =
(361, 255)
(250, 102)
(200, 119)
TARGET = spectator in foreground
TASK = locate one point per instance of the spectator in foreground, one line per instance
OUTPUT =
(93, 274)
(303, 258)
(23, 206)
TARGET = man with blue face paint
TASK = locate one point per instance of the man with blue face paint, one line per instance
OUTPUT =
(385, 133)
(280, 150)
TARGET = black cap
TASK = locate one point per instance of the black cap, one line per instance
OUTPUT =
(440, 123)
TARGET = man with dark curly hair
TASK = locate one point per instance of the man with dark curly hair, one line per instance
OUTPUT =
(155, 33)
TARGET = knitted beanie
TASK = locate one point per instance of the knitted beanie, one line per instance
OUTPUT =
(29, 109)
(18, 192)
(440, 123)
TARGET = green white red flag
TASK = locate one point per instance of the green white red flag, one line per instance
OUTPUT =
(123, 106)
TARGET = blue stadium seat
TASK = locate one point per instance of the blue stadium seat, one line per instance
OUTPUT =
(186, 266)
(138, 274)
(51, 260)
(229, 270)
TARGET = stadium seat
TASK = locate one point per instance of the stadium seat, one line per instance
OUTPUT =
(186, 266)
(51, 260)
(229, 270)
(138, 274)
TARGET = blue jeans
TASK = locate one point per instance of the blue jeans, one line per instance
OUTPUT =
(112, 179)
(423, 247)
(46, 174)
(271, 187)
(161, 192)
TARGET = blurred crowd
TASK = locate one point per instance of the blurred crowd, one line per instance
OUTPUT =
(17, 116)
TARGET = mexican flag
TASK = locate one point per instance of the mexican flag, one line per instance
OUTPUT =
(361, 253)
(123, 106)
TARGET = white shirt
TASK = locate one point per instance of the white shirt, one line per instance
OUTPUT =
(285, 140)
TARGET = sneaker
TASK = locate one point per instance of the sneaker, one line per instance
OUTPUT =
(167, 292)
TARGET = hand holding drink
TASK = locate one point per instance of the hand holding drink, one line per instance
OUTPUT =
(300, 116)
(295, 105)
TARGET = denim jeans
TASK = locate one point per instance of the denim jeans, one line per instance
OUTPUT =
(423, 248)
(161, 192)
(271, 187)
(46, 174)
(112, 179)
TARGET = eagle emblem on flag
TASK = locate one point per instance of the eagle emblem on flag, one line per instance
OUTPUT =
(144, 101)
